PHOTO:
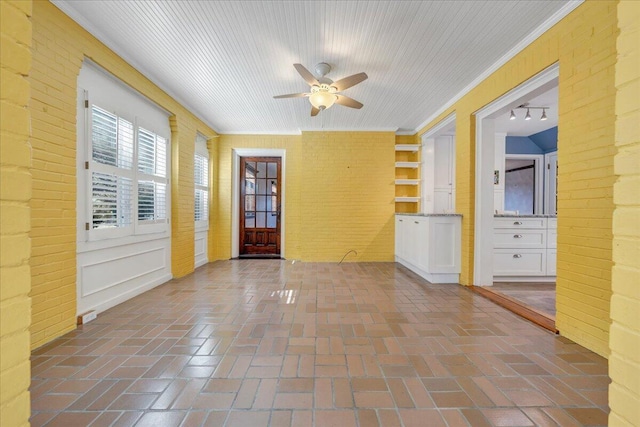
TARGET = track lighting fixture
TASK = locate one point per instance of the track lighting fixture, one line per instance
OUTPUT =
(528, 107)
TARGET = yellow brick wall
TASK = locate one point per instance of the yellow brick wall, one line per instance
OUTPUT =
(59, 47)
(339, 192)
(15, 193)
(584, 45)
(182, 201)
(624, 360)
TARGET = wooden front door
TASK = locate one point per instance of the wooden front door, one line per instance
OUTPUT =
(260, 206)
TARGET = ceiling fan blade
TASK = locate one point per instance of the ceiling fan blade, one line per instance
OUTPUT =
(306, 75)
(348, 102)
(347, 82)
(293, 95)
(314, 111)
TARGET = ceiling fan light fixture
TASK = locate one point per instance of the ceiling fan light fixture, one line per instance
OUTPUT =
(322, 97)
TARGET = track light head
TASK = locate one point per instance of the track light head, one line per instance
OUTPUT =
(512, 116)
(528, 116)
(544, 114)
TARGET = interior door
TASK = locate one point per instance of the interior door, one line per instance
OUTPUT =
(260, 180)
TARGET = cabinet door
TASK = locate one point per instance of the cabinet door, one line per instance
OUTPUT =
(421, 235)
(443, 163)
(411, 240)
(441, 200)
(400, 245)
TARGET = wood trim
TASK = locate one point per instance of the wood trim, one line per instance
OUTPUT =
(545, 320)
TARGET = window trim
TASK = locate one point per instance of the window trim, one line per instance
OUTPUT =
(98, 87)
(201, 150)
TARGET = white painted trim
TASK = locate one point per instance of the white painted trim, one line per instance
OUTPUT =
(255, 132)
(548, 189)
(566, 9)
(390, 129)
(112, 302)
(484, 166)
(434, 131)
(235, 193)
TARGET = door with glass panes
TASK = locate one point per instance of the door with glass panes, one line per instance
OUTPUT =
(260, 206)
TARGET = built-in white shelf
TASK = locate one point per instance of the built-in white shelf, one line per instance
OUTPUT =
(407, 147)
(408, 199)
(407, 181)
(409, 165)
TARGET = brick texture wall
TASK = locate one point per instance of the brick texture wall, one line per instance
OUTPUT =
(347, 196)
(584, 45)
(183, 138)
(15, 193)
(624, 361)
(59, 48)
(339, 193)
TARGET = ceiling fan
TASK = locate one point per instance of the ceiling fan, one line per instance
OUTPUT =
(324, 91)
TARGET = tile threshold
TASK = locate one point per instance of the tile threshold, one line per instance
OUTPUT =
(538, 317)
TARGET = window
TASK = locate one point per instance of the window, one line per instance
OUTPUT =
(201, 184)
(128, 170)
(111, 171)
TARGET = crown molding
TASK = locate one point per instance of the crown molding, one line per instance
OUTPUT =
(566, 9)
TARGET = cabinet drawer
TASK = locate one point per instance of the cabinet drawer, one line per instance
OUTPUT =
(526, 262)
(515, 222)
(518, 239)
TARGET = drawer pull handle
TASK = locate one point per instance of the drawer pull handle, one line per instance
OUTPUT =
(400, 220)
(517, 236)
(416, 222)
(517, 256)
(517, 223)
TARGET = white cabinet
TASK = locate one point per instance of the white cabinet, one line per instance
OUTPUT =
(444, 178)
(439, 174)
(524, 248)
(429, 245)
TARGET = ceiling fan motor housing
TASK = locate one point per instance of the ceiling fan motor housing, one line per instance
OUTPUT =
(322, 69)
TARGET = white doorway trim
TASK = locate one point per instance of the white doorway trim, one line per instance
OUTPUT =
(550, 181)
(235, 193)
(484, 166)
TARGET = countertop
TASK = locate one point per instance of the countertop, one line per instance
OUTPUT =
(525, 216)
(429, 214)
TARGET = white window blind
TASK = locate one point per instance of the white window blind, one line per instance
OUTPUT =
(124, 188)
(111, 199)
(128, 174)
(152, 168)
(201, 183)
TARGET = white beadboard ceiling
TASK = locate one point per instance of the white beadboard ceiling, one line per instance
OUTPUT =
(225, 60)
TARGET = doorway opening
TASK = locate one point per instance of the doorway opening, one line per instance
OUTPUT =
(258, 203)
(259, 220)
(515, 224)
